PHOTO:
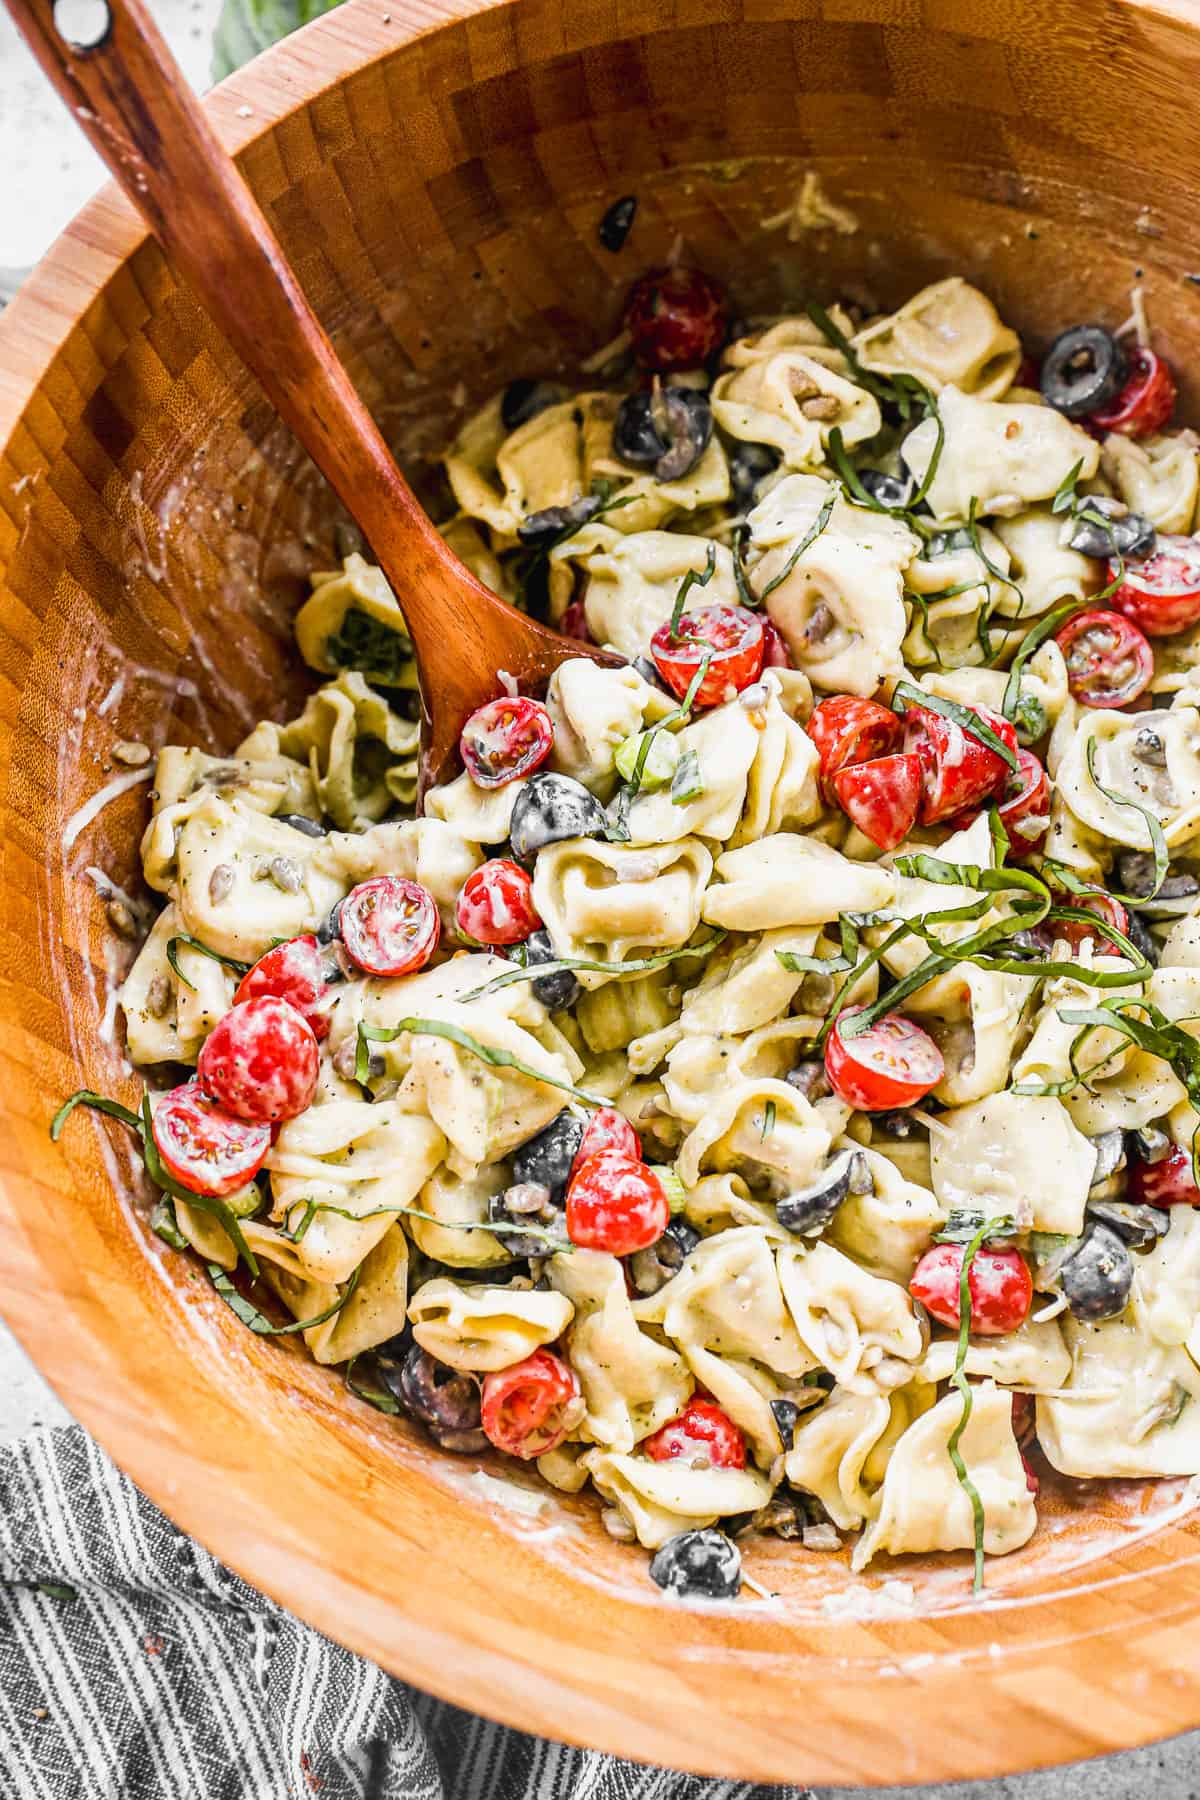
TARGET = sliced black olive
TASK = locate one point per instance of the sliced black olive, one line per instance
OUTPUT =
(700, 1563)
(648, 672)
(330, 929)
(543, 527)
(1149, 748)
(550, 808)
(1117, 532)
(525, 1203)
(310, 827)
(748, 463)
(1142, 938)
(809, 1211)
(545, 1160)
(943, 543)
(445, 1401)
(1096, 1276)
(1083, 370)
(557, 991)
(786, 1415)
(1135, 873)
(1137, 1226)
(899, 1124)
(525, 398)
(651, 1269)
(786, 1516)
(809, 1079)
(1110, 1155)
(617, 223)
(668, 428)
(889, 490)
(1150, 1144)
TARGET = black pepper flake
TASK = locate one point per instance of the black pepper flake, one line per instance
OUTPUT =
(617, 223)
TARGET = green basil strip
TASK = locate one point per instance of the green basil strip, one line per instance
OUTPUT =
(1045, 627)
(258, 1322)
(1153, 826)
(368, 1035)
(810, 537)
(959, 1380)
(746, 595)
(862, 1021)
(877, 385)
(638, 966)
(993, 569)
(938, 445)
(379, 1398)
(97, 1103)
(618, 832)
(183, 937)
(768, 1124)
(687, 783)
(495, 1059)
(312, 1207)
(692, 578)
(962, 716)
(164, 1224)
(1064, 495)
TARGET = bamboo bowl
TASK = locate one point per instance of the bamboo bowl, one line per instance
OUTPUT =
(437, 172)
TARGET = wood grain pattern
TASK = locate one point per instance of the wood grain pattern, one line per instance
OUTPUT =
(436, 171)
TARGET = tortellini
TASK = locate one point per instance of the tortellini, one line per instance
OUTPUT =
(611, 903)
(1045, 571)
(792, 880)
(1157, 476)
(727, 1299)
(593, 711)
(859, 1326)
(949, 333)
(1001, 455)
(991, 1159)
(1118, 766)
(482, 1328)
(353, 621)
(631, 582)
(792, 401)
(631, 1384)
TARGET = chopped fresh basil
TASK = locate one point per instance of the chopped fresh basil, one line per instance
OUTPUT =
(192, 943)
(258, 1322)
(494, 1058)
(1154, 828)
(638, 966)
(687, 783)
(810, 537)
(692, 578)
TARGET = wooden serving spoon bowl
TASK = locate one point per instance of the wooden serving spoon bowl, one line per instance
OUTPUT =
(135, 104)
(437, 172)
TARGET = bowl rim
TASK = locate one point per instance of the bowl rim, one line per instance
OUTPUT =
(1146, 1629)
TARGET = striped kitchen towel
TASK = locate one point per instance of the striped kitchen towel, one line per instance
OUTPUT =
(135, 1667)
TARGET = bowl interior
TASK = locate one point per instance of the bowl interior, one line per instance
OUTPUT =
(439, 187)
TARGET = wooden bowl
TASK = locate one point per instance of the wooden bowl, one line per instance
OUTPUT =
(438, 172)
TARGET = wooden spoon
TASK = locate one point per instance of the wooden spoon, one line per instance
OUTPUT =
(134, 103)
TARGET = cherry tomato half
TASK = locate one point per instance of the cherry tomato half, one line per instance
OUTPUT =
(1024, 1419)
(676, 318)
(495, 905)
(730, 636)
(1077, 931)
(294, 972)
(529, 1408)
(881, 797)
(390, 926)
(1162, 594)
(202, 1147)
(848, 730)
(504, 739)
(702, 1432)
(1165, 1183)
(607, 1129)
(775, 651)
(1025, 809)
(573, 623)
(615, 1204)
(1109, 661)
(260, 1061)
(892, 1064)
(999, 1283)
(1146, 401)
(958, 768)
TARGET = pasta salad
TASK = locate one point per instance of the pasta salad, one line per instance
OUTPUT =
(762, 1085)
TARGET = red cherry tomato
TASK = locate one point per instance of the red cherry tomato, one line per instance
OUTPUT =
(848, 730)
(1028, 375)
(573, 623)
(892, 1064)
(607, 1129)
(775, 651)
(504, 739)
(676, 318)
(260, 1061)
(615, 1204)
(294, 972)
(1000, 1286)
(1109, 661)
(496, 904)
(1146, 401)
(1032, 1478)
(529, 1408)
(1025, 809)
(881, 797)
(701, 1433)
(1162, 594)
(390, 926)
(732, 639)
(1165, 1183)
(1077, 931)
(202, 1147)
(958, 768)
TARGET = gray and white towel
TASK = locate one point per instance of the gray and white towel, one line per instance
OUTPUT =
(135, 1667)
